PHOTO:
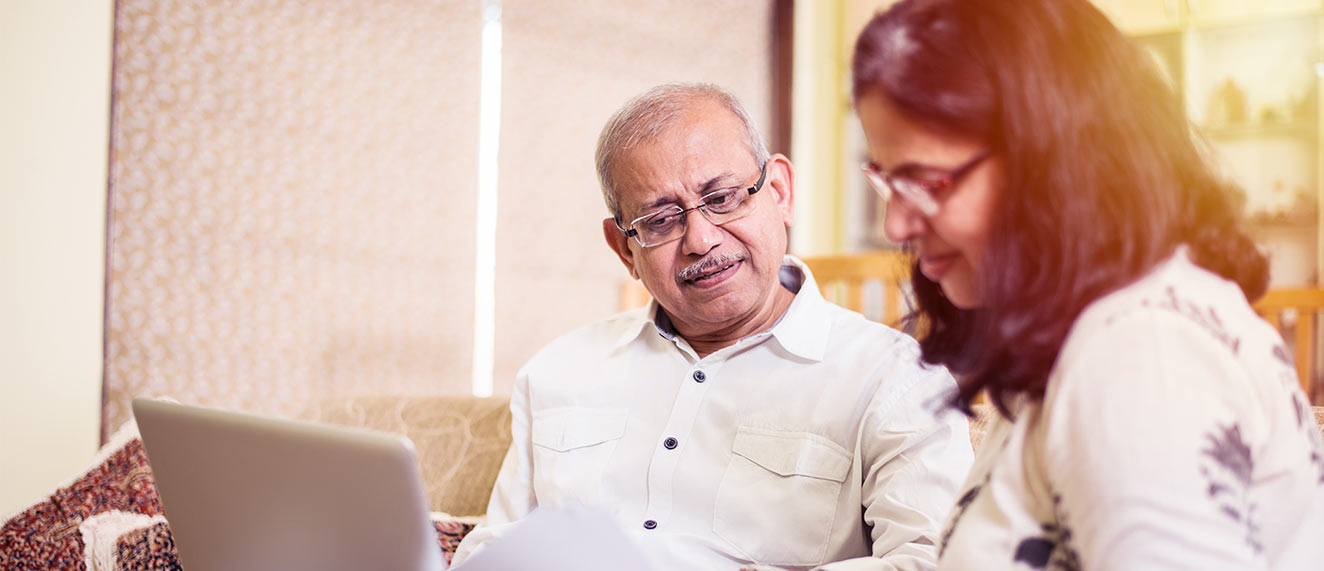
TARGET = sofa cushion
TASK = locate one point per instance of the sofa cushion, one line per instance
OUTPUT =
(460, 440)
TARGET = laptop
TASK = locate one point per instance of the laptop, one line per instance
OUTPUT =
(249, 492)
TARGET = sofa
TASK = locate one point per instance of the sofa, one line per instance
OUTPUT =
(110, 517)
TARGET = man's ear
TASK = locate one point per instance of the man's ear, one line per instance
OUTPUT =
(618, 243)
(781, 182)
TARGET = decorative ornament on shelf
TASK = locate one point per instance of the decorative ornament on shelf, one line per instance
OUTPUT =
(1227, 106)
(1270, 115)
(1297, 209)
(1302, 107)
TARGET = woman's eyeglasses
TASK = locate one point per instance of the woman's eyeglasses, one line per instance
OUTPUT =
(919, 192)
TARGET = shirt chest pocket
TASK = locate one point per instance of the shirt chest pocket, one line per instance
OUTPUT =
(571, 450)
(778, 497)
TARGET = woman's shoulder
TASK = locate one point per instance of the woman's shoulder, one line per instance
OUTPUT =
(1174, 293)
(1177, 320)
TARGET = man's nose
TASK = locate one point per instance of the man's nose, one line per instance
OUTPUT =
(903, 222)
(701, 235)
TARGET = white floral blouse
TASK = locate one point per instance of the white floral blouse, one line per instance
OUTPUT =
(1173, 435)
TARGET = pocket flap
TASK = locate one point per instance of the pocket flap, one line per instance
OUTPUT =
(793, 453)
(567, 428)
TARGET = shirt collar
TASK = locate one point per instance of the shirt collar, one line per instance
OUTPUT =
(802, 330)
(635, 322)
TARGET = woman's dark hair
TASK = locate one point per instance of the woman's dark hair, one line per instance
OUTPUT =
(1103, 178)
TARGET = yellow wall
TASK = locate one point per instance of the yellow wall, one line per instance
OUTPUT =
(825, 35)
(54, 101)
(816, 127)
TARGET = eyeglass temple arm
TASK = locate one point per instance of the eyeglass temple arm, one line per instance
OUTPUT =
(763, 174)
(629, 232)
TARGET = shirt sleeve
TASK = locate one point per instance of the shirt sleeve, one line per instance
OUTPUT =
(1146, 445)
(915, 453)
(512, 495)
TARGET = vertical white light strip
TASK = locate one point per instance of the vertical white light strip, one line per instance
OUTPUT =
(489, 135)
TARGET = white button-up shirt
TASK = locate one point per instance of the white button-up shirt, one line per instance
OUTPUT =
(818, 440)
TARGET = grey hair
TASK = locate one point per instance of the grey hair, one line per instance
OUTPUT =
(647, 116)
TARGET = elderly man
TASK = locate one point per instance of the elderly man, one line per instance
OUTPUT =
(740, 419)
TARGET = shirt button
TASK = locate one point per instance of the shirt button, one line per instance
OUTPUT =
(670, 443)
(650, 524)
(699, 377)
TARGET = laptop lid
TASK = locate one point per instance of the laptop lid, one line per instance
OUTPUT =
(249, 492)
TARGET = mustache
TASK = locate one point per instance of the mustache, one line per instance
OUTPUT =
(708, 264)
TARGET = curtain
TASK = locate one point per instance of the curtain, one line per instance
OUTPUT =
(291, 201)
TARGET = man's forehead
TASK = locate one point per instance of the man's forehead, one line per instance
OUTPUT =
(703, 150)
(647, 189)
(711, 184)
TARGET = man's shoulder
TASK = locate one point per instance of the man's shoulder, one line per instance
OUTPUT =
(892, 356)
(852, 324)
(594, 339)
(906, 390)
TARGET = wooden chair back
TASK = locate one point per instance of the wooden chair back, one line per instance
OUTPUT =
(872, 283)
(875, 284)
(1295, 314)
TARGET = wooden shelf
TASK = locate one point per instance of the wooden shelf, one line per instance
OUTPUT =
(1280, 222)
(1200, 21)
(1295, 128)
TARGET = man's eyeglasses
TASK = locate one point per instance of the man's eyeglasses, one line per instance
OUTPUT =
(919, 192)
(719, 207)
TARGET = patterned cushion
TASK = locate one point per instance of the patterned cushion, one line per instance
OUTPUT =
(46, 534)
(152, 547)
(449, 532)
(985, 413)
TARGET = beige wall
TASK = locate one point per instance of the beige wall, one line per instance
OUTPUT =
(54, 96)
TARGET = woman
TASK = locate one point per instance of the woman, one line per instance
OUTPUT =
(1079, 262)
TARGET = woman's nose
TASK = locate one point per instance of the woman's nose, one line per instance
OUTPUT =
(903, 222)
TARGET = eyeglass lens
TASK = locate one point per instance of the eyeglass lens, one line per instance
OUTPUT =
(718, 207)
